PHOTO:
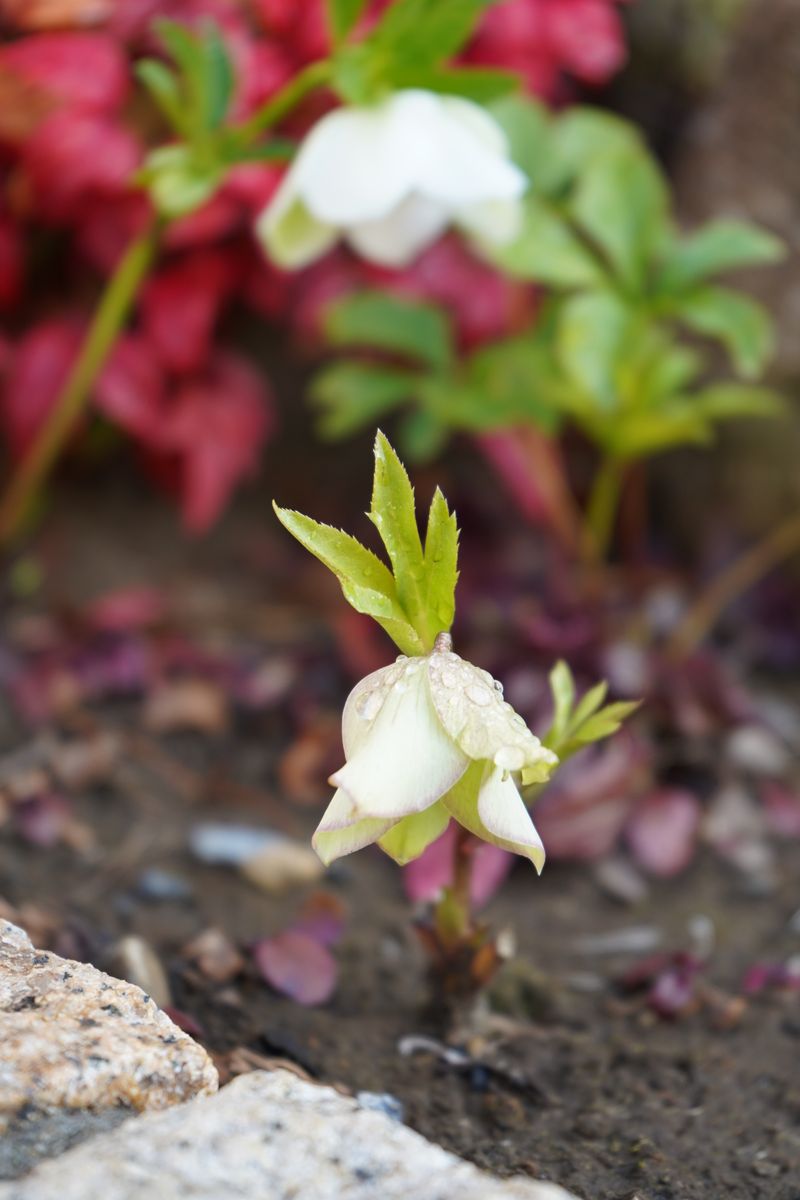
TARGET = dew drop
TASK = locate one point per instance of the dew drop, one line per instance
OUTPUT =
(369, 705)
(478, 694)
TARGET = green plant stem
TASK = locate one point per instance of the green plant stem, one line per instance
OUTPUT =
(602, 509)
(739, 577)
(462, 878)
(110, 316)
(313, 76)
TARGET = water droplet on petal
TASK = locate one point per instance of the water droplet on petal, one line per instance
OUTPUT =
(478, 694)
(510, 758)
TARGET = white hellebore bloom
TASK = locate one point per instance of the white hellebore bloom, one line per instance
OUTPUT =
(427, 739)
(391, 178)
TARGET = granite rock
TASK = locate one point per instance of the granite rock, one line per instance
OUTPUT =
(267, 1136)
(74, 1039)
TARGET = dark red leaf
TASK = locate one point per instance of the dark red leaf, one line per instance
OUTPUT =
(297, 966)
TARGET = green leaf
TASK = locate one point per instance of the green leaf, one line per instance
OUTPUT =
(393, 515)
(480, 84)
(375, 319)
(354, 394)
(418, 33)
(725, 400)
(640, 434)
(605, 723)
(547, 251)
(163, 86)
(719, 246)
(621, 203)
(366, 582)
(511, 382)
(593, 331)
(343, 16)
(441, 563)
(216, 81)
(177, 183)
(584, 134)
(529, 128)
(422, 435)
(562, 687)
(742, 325)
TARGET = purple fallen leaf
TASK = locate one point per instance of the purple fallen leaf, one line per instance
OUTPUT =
(662, 831)
(673, 990)
(781, 809)
(425, 878)
(42, 819)
(322, 918)
(297, 966)
(765, 975)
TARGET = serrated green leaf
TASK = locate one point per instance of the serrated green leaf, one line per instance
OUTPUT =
(354, 394)
(418, 33)
(562, 688)
(163, 86)
(594, 329)
(366, 582)
(547, 251)
(393, 515)
(377, 320)
(621, 203)
(217, 79)
(739, 323)
(606, 722)
(441, 563)
(719, 246)
(588, 705)
(343, 16)
(479, 84)
(726, 400)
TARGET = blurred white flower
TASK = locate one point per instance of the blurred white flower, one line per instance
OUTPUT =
(427, 739)
(391, 178)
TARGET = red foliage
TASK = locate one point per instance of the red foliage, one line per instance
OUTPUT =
(69, 147)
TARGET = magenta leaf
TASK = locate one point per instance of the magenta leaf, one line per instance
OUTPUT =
(297, 966)
(662, 831)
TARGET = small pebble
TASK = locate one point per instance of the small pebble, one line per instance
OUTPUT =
(134, 959)
(754, 748)
(156, 885)
(620, 880)
(229, 845)
(635, 939)
(382, 1102)
(215, 956)
(281, 865)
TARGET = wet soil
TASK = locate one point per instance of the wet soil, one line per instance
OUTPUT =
(572, 1081)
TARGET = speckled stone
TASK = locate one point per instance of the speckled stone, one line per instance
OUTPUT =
(267, 1136)
(72, 1038)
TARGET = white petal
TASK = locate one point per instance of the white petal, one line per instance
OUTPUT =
(365, 702)
(410, 837)
(502, 810)
(457, 160)
(470, 706)
(407, 762)
(290, 234)
(342, 830)
(397, 239)
(491, 807)
(354, 167)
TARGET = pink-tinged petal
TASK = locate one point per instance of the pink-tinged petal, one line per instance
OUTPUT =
(342, 831)
(662, 832)
(131, 390)
(297, 966)
(408, 761)
(39, 368)
(481, 796)
(409, 838)
(781, 809)
(88, 71)
(181, 304)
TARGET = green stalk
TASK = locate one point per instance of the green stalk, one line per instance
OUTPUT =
(602, 509)
(111, 314)
(273, 111)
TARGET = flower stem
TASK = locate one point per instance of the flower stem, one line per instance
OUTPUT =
(274, 110)
(462, 878)
(109, 318)
(741, 575)
(601, 511)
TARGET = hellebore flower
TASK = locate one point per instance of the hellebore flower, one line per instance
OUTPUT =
(427, 739)
(391, 178)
